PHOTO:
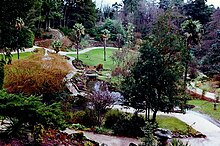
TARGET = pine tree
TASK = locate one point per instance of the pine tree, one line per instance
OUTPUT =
(84, 12)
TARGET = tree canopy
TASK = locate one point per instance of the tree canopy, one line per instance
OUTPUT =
(154, 81)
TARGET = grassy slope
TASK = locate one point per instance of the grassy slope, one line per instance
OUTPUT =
(206, 107)
(173, 124)
(95, 57)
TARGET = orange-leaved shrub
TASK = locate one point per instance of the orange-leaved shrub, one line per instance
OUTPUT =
(35, 76)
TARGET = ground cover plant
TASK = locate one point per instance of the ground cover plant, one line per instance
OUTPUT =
(206, 107)
(95, 57)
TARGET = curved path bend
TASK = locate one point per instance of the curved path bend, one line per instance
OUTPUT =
(198, 121)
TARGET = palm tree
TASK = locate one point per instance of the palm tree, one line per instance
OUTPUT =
(19, 24)
(78, 30)
(191, 30)
(105, 36)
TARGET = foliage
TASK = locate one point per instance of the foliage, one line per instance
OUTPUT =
(101, 130)
(86, 118)
(84, 12)
(50, 10)
(198, 10)
(101, 99)
(66, 30)
(177, 142)
(2, 74)
(13, 38)
(11, 10)
(22, 110)
(210, 33)
(34, 76)
(56, 45)
(210, 63)
(111, 117)
(78, 31)
(154, 81)
(78, 127)
(26, 37)
(148, 139)
(192, 31)
(114, 27)
(129, 126)
(130, 35)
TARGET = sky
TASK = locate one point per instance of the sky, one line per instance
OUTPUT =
(216, 3)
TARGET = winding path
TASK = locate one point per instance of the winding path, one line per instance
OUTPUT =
(196, 120)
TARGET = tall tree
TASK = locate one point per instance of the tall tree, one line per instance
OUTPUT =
(11, 10)
(211, 61)
(51, 9)
(84, 12)
(192, 33)
(198, 10)
(154, 80)
(210, 32)
(78, 31)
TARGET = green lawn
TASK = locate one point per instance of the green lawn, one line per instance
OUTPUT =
(206, 107)
(174, 125)
(22, 55)
(95, 57)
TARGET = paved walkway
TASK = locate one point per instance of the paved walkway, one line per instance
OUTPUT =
(198, 121)
(199, 91)
(109, 140)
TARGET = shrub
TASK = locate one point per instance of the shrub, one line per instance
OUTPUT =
(115, 27)
(2, 64)
(102, 130)
(176, 142)
(66, 30)
(21, 110)
(47, 36)
(86, 118)
(129, 126)
(34, 76)
(26, 38)
(111, 118)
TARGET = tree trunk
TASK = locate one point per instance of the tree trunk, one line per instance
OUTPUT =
(18, 53)
(154, 116)
(99, 118)
(77, 51)
(64, 17)
(49, 23)
(104, 49)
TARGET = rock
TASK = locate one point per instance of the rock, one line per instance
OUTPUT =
(132, 144)
(163, 133)
(199, 135)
